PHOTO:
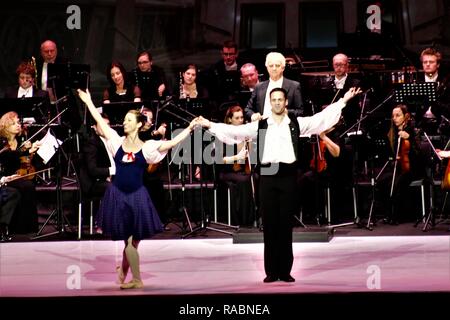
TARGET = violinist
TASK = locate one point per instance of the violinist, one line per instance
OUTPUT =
(25, 219)
(329, 165)
(9, 199)
(406, 166)
(152, 176)
(236, 175)
(26, 88)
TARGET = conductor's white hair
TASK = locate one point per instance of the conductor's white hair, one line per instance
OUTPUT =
(275, 57)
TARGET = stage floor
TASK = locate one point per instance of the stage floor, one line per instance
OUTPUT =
(217, 266)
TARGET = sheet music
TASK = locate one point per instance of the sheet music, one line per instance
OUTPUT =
(49, 145)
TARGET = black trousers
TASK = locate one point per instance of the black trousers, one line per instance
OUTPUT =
(9, 199)
(278, 206)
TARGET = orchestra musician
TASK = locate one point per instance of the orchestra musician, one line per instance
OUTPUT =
(97, 167)
(15, 160)
(235, 173)
(194, 97)
(26, 78)
(342, 80)
(48, 55)
(154, 87)
(249, 77)
(152, 176)
(330, 166)
(120, 88)
(430, 116)
(407, 165)
(224, 75)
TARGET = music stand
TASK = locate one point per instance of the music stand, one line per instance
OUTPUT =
(69, 75)
(185, 116)
(408, 92)
(34, 107)
(116, 111)
(430, 216)
(57, 214)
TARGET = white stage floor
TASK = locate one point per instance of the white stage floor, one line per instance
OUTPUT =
(217, 266)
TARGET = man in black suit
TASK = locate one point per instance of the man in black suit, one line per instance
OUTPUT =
(49, 55)
(259, 104)
(342, 81)
(225, 78)
(26, 89)
(431, 114)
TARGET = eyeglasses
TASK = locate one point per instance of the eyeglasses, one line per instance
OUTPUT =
(340, 65)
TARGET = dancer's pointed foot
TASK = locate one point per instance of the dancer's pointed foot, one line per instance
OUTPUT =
(133, 284)
(120, 275)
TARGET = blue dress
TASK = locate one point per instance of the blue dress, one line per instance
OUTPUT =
(127, 209)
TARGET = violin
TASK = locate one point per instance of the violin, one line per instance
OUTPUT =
(26, 167)
(243, 167)
(318, 159)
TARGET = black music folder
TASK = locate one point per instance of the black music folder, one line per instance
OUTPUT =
(34, 107)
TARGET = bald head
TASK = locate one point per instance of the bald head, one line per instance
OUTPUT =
(340, 65)
(49, 51)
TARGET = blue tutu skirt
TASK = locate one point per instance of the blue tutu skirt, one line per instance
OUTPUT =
(122, 215)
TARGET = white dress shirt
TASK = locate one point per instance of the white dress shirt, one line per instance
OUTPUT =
(339, 83)
(431, 79)
(278, 143)
(272, 85)
(44, 76)
(25, 93)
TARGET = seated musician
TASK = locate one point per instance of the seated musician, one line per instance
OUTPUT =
(236, 174)
(330, 166)
(97, 167)
(9, 199)
(194, 97)
(249, 77)
(342, 81)
(430, 115)
(224, 77)
(16, 159)
(154, 87)
(393, 183)
(26, 88)
(152, 176)
(120, 88)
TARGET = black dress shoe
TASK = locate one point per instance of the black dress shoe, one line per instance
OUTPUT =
(270, 279)
(287, 278)
(4, 237)
(4, 234)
